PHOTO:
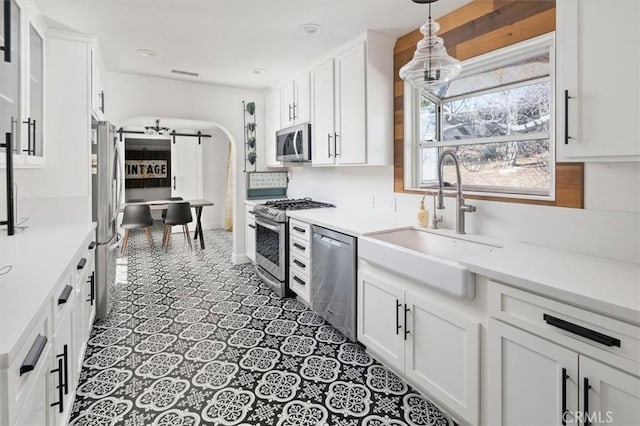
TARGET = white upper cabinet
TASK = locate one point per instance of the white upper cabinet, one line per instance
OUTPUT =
(22, 82)
(352, 104)
(598, 89)
(323, 116)
(10, 73)
(295, 101)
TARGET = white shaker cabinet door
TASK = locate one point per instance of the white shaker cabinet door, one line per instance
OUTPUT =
(186, 171)
(323, 140)
(443, 354)
(608, 395)
(598, 89)
(526, 376)
(351, 117)
(380, 312)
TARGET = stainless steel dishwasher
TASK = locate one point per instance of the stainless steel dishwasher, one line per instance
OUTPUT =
(333, 279)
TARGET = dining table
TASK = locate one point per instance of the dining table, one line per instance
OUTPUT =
(197, 205)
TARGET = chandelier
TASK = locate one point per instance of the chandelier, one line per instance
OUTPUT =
(156, 130)
(431, 66)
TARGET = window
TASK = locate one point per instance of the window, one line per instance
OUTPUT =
(497, 118)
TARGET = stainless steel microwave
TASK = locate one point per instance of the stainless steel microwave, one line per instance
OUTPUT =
(293, 144)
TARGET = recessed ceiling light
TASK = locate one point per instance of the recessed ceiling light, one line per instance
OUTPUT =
(146, 52)
(311, 28)
(258, 71)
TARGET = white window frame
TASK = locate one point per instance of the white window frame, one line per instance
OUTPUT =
(412, 143)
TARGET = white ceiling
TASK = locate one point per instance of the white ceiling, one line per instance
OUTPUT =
(224, 40)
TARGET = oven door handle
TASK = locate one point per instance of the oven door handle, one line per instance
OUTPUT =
(263, 222)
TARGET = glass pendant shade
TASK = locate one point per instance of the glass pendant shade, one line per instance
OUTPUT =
(431, 66)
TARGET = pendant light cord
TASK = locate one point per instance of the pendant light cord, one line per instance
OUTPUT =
(429, 76)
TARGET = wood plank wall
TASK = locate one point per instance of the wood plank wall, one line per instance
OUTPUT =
(476, 28)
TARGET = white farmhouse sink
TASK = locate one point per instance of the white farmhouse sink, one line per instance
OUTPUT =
(426, 257)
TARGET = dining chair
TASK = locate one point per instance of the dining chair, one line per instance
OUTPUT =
(164, 211)
(137, 216)
(177, 214)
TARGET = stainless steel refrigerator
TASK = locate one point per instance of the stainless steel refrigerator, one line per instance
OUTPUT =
(107, 189)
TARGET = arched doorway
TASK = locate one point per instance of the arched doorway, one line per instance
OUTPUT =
(217, 191)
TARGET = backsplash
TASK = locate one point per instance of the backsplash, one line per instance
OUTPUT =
(598, 230)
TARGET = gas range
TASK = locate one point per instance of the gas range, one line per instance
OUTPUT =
(277, 210)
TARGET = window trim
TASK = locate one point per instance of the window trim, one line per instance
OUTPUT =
(487, 61)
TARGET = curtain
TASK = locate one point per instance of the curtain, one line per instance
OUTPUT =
(228, 207)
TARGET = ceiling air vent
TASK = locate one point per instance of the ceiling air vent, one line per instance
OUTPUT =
(189, 73)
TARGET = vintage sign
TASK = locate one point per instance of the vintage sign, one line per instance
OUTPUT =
(146, 169)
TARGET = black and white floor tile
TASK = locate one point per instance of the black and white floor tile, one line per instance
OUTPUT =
(194, 340)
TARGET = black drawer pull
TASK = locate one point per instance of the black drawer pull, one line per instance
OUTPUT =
(92, 282)
(92, 245)
(252, 226)
(299, 246)
(300, 264)
(64, 296)
(81, 263)
(581, 331)
(299, 281)
(33, 355)
(297, 228)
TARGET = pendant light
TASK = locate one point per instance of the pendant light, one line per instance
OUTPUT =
(431, 66)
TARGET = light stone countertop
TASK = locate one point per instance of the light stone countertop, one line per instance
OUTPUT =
(39, 258)
(598, 284)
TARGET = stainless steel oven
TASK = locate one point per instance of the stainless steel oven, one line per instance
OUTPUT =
(271, 257)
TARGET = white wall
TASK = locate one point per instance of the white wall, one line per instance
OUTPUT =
(130, 95)
(608, 227)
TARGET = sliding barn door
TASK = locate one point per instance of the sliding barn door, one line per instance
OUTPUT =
(186, 171)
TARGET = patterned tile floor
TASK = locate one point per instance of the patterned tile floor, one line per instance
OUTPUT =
(195, 340)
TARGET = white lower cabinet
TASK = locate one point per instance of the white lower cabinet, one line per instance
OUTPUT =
(250, 235)
(435, 347)
(37, 411)
(300, 260)
(553, 364)
(38, 387)
(608, 395)
(532, 381)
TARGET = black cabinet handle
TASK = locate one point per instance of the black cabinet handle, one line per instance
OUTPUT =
(28, 123)
(581, 331)
(60, 387)
(297, 228)
(8, 146)
(65, 357)
(252, 226)
(299, 281)
(566, 117)
(398, 326)
(92, 245)
(585, 393)
(92, 282)
(565, 376)
(7, 31)
(251, 212)
(81, 263)
(33, 126)
(33, 355)
(299, 246)
(64, 296)
(406, 328)
(300, 264)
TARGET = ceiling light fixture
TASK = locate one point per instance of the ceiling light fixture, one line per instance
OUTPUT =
(311, 29)
(431, 66)
(146, 52)
(156, 130)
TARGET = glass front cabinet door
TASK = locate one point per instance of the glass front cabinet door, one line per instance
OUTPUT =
(10, 71)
